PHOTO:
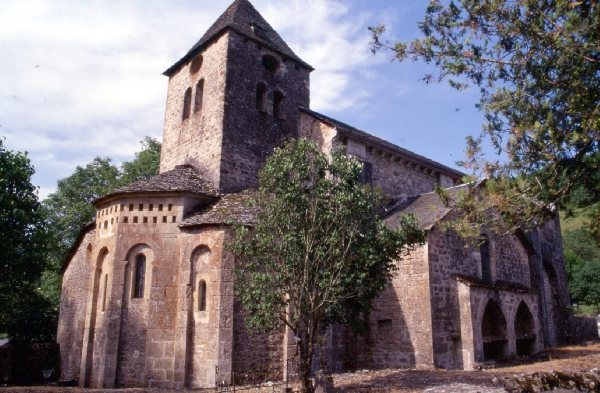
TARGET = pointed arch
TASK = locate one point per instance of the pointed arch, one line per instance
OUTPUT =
(493, 332)
(525, 330)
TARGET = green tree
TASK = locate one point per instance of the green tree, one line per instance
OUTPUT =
(70, 208)
(318, 252)
(536, 64)
(585, 284)
(23, 244)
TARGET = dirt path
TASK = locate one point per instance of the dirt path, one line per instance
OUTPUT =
(571, 359)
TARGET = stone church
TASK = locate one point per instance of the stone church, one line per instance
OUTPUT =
(147, 291)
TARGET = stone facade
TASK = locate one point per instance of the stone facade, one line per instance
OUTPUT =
(148, 289)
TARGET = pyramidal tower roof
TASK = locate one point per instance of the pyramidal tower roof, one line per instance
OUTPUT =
(242, 17)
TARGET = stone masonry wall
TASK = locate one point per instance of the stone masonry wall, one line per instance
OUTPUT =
(400, 322)
(75, 287)
(250, 135)
(197, 139)
(395, 176)
(448, 256)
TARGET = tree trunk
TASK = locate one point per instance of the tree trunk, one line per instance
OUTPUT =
(304, 362)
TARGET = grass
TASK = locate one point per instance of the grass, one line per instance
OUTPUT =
(582, 309)
(577, 221)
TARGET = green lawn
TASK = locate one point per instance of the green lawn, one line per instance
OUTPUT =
(571, 223)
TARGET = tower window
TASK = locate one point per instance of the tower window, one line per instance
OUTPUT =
(187, 102)
(201, 295)
(199, 96)
(261, 97)
(140, 276)
(270, 63)
(278, 98)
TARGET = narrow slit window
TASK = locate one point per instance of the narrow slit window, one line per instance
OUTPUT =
(140, 276)
(187, 103)
(104, 292)
(278, 98)
(199, 96)
(201, 295)
(261, 97)
(484, 250)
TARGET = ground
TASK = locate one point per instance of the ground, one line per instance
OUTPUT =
(571, 359)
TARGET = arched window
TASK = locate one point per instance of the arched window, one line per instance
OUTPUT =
(196, 65)
(199, 96)
(270, 63)
(278, 104)
(187, 102)
(261, 97)
(139, 279)
(201, 295)
(484, 251)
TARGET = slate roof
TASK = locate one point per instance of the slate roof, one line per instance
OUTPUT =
(242, 17)
(428, 208)
(230, 208)
(354, 133)
(183, 178)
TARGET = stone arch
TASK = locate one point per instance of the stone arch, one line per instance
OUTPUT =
(525, 330)
(98, 296)
(199, 264)
(130, 274)
(187, 104)
(494, 332)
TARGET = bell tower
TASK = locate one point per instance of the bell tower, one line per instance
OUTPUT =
(232, 99)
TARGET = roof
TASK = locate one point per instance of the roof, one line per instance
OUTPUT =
(354, 133)
(242, 17)
(428, 208)
(183, 178)
(230, 208)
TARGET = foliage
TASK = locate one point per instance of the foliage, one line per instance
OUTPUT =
(23, 243)
(537, 67)
(70, 208)
(319, 252)
(585, 284)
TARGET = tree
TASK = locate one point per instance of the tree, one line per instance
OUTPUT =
(318, 252)
(23, 243)
(537, 66)
(70, 208)
(585, 284)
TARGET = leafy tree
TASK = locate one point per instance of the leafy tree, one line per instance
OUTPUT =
(585, 284)
(23, 243)
(318, 252)
(536, 64)
(70, 208)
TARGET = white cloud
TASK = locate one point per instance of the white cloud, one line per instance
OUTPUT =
(80, 79)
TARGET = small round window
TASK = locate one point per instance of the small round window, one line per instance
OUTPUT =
(270, 63)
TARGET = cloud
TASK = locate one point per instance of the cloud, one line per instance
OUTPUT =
(80, 79)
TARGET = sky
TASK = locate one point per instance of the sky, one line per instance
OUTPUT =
(83, 78)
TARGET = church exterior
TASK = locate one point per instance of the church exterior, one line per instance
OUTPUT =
(147, 292)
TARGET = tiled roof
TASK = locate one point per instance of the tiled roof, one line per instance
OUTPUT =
(428, 208)
(242, 17)
(183, 178)
(230, 208)
(359, 135)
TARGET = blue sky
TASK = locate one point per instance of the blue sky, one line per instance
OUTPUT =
(80, 79)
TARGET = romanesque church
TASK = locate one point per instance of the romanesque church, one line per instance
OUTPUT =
(147, 291)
